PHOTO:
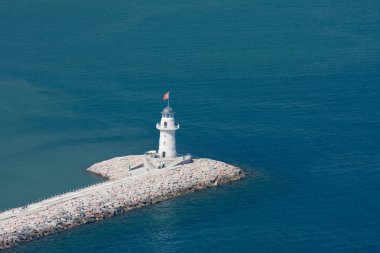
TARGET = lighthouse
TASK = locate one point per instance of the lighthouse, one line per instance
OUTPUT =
(167, 128)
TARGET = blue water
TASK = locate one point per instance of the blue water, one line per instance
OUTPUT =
(288, 90)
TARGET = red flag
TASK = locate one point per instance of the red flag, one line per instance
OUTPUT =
(166, 96)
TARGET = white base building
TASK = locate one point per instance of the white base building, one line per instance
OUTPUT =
(167, 154)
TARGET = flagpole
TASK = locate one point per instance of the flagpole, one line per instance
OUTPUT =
(168, 99)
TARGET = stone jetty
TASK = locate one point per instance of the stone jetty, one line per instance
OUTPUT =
(126, 188)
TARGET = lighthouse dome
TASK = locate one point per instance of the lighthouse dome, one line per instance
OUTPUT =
(167, 110)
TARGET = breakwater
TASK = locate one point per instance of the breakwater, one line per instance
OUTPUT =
(123, 192)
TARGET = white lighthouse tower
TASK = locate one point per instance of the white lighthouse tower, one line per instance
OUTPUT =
(167, 127)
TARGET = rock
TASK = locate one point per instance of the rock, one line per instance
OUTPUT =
(121, 194)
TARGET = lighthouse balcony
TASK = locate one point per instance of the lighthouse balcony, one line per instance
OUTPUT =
(167, 127)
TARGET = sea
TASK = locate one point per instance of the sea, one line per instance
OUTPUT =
(287, 90)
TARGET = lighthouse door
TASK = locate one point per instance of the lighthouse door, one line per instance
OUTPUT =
(163, 154)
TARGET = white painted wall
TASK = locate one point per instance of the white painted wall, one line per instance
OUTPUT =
(167, 142)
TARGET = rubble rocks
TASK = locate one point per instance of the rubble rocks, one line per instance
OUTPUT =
(120, 194)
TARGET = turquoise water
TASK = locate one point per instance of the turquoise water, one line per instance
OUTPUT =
(289, 91)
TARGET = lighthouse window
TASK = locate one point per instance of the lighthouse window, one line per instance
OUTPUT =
(165, 124)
